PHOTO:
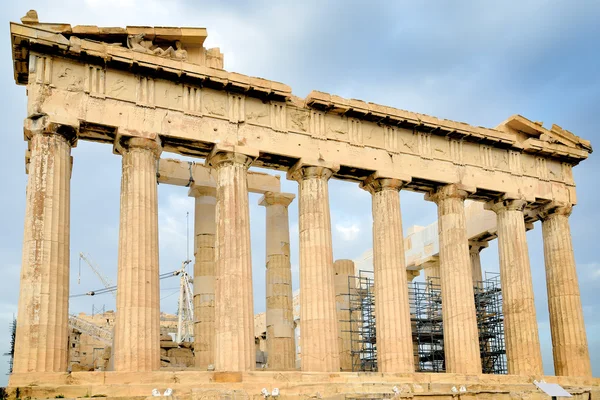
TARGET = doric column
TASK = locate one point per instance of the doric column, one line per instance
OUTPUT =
(523, 352)
(137, 329)
(42, 322)
(319, 338)
(394, 335)
(569, 341)
(281, 344)
(343, 269)
(204, 275)
(461, 338)
(234, 310)
(474, 250)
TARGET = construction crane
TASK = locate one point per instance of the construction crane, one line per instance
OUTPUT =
(185, 311)
(105, 281)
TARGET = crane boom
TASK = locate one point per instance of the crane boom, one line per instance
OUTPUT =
(185, 311)
(105, 281)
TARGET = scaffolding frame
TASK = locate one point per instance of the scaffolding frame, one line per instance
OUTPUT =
(361, 300)
(11, 353)
(425, 299)
(490, 323)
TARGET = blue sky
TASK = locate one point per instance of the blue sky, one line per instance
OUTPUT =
(471, 61)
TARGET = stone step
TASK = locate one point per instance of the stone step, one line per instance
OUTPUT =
(288, 391)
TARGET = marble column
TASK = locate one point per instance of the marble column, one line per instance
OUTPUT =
(234, 304)
(461, 337)
(137, 327)
(343, 269)
(43, 314)
(569, 341)
(319, 338)
(205, 199)
(523, 353)
(394, 334)
(281, 344)
(474, 252)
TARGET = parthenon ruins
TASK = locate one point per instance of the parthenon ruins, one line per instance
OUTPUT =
(149, 90)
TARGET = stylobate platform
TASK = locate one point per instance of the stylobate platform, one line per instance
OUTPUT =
(291, 384)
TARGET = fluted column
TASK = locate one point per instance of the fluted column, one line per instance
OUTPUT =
(394, 335)
(42, 321)
(474, 252)
(319, 338)
(343, 269)
(205, 199)
(281, 344)
(137, 329)
(461, 338)
(234, 304)
(569, 340)
(523, 352)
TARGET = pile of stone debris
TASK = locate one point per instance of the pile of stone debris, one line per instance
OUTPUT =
(175, 355)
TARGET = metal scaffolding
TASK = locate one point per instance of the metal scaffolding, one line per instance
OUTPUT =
(363, 346)
(490, 322)
(11, 353)
(425, 300)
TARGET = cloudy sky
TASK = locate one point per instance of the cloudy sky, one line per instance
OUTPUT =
(471, 61)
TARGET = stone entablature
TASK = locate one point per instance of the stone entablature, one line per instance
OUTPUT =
(192, 107)
(182, 173)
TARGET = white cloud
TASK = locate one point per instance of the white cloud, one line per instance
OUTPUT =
(349, 232)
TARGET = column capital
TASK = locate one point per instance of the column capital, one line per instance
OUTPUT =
(476, 246)
(44, 127)
(129, 142)
(554, 208)
(506, 204)
(234, 154)
(200, 191)
(273, 198)
(379, 181)
(412, 274)
(304, 169)
(453, 190)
